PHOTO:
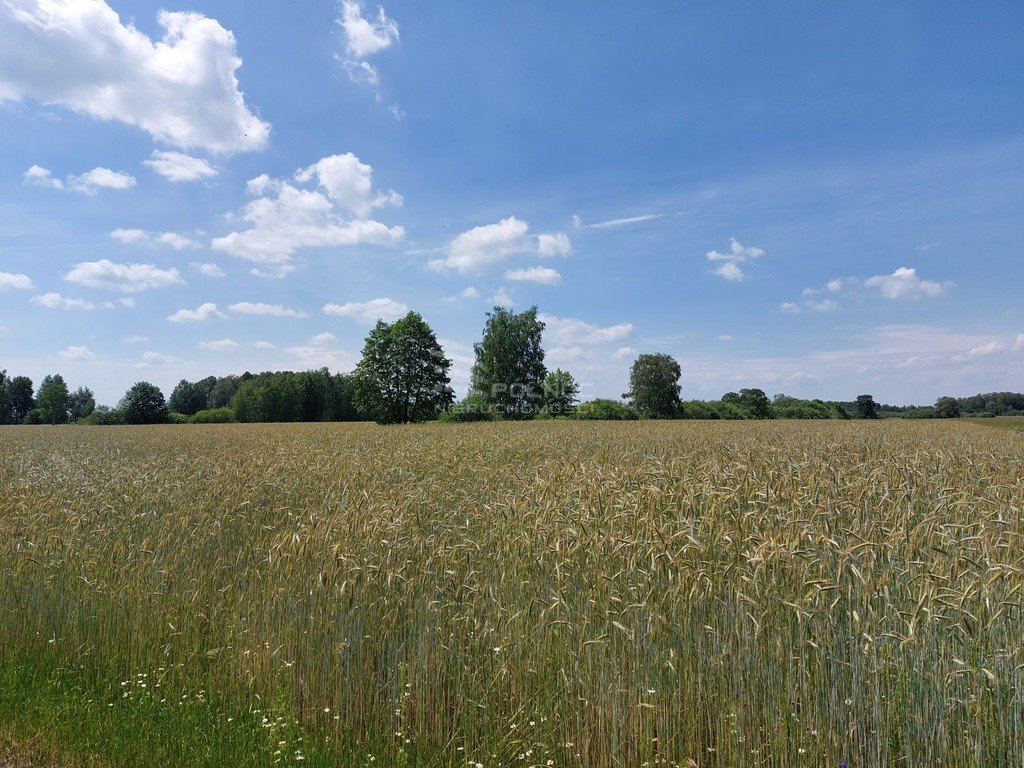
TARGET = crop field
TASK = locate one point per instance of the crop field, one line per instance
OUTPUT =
(534, 594)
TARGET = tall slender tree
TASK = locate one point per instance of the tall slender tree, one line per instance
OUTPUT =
(509, 370)
(54, 400)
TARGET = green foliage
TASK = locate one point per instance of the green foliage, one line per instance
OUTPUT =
(561, 393)
(403, 374)
(654, 386)
(866, 407)
(947, 408)
(285, 396)
(82, 403)
(214, 416)
(509, 369)
(20, 399)
(53, 400)
(103, 416)
(143, 403)
(604, 410)
(191, 397)
(473, 407)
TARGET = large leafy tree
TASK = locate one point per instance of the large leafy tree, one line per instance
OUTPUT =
(509, 370)
(560, 393)
(866, 407)
(82, 403)
(20, 398)
(54, 400)
(189, 397)
(654, 386)
(143, 404)
(403, 375)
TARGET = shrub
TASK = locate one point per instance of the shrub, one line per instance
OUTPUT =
(214, 416)
(604, 410)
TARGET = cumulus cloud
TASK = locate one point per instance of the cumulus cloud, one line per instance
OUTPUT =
(490, 244)
(17, 282)
(730, 271)
(203, 312)
(135, 339)
(284, 218)
(181, 89)
(208, 269)
(177, 166)
(54, 300)
(262, 345)
(323, 338)
(87, 183)
(541, 275)
(218, 345)
(623, 352)
(466, 293)
(153, 239)
(150, 358)
(369, 312)
(736, 255)
(259, 308)
(904, 283)
(568, 331)
(128, 278)
(811, 305)
(76, 353)
(365, 37)
(1018, 343)
(501, 298)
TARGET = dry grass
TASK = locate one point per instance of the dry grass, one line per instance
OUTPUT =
(692, 594)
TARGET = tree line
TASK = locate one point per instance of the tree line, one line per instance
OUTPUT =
(403, 376)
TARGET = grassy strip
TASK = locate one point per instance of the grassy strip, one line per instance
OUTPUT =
(67, 717)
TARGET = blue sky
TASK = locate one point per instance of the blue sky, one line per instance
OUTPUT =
(816, 199)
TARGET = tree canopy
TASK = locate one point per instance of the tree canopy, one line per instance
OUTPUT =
(509, 370)
(654, 386)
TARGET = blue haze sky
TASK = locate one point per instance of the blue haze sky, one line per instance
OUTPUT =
(816, 199)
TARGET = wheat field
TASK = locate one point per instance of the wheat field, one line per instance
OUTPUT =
(531, 594)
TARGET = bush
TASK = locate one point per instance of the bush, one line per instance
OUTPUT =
(214, 416)
(472, 408)
(103, 416)
(604, 410)
(178, 418)
(35, 416)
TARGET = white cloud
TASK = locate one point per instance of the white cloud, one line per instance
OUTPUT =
(1018, 343)
(834, 286)
(208, 269)
(218, 345)
(365, 37)
(789, 306)
(76, 353)
(181, 89)
(41, 177)
(501, 298)
(56, 301)
(983, 350)
(730, 271)
(577, 221)
(483, 246)
(126, 301)
(568, 354)
(825, 305)
(361, 72)
(262, 345)
(100, 178)
(569, 330)
(556, 244)
(153, 239)
(725, 337)
(737, 252)
(259, 308)
(349, 183)
(623, 352)
(905, 284)
(128, 278)
(466, 293)
(323, 338)
(541, 275)
(284, 218)
(135, 339)
(18, 282)
(87, 183)
(369, 311)
(203, 312)
(177, 166)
